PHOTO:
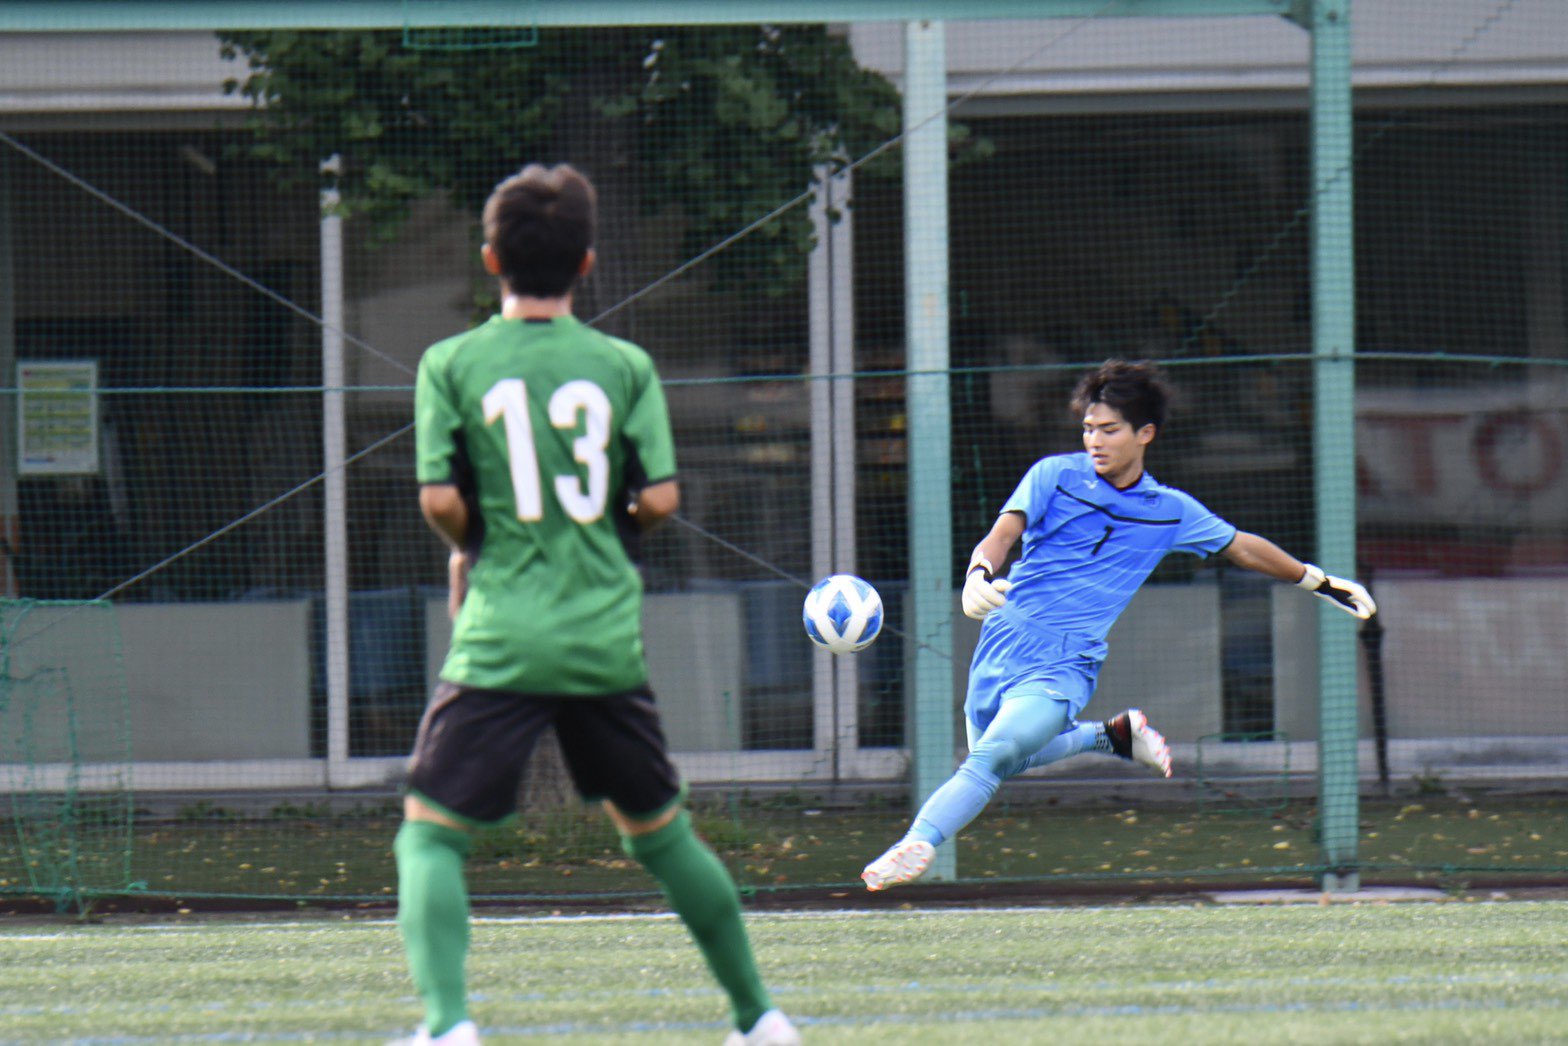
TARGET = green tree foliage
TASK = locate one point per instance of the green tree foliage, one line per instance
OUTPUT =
(726, 124)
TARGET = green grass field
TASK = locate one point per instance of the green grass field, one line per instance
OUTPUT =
(1365, 973)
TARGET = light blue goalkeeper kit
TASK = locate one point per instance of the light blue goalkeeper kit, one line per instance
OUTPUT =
(1087, 547)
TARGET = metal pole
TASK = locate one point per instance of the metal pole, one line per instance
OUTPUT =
(841, 318)
(928, 618)
(1371, 636)
(10, 533)
(335, 521)
(836, 680)
(824, 557)
(1333, 435)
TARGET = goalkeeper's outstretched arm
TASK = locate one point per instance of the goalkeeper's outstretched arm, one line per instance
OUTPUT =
(1265, 557)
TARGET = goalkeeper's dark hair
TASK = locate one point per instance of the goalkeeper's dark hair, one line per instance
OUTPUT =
(540, 224)
(1136, 391)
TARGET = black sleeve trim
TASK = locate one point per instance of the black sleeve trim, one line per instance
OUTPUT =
(662, 479)
(1234, 533)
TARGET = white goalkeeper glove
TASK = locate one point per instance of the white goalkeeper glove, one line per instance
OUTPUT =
(1348, 596)
(982, 592)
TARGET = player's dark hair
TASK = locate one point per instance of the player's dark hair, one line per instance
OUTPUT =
(1136, 391)
(540, 223)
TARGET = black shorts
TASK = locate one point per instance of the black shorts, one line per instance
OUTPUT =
(473, 745)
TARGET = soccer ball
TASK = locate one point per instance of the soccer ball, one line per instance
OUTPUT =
(842, 614)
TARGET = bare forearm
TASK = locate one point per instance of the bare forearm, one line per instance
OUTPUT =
(991, 551)
(446, 512)
(997, 545)
(457, 582)
(656, 503)
(1265, 557)
(1262, 555)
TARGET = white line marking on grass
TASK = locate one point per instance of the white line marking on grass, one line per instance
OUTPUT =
(1357, 987)
(945, 912)
(237, 1036)
(177, 930)
(814, 914)
(327, 924)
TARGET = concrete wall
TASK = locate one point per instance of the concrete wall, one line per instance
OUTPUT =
(195, 681)
(1173, 673)
(1463, 658)
(218, 680)
(1295, 633)
(696, 651)
(65, 696)
(1469, 660)
(1477, 657)
(1165, 659)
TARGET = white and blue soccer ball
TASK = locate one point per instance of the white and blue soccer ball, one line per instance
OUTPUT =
(842, 614)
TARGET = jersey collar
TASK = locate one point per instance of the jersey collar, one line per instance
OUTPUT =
(536, 321)
(1143, 478)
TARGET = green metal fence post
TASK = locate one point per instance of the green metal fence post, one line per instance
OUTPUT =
(1333, 435)
(930, 601)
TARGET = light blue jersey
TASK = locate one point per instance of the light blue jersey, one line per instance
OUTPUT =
(1088, 546)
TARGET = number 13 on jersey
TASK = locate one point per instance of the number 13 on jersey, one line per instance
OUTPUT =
(507, 401)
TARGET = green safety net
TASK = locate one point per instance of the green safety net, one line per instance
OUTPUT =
(169, 314)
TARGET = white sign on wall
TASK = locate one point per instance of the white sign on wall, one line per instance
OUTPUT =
(57, 417)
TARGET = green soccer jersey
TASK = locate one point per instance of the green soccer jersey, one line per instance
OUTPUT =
(547, 427)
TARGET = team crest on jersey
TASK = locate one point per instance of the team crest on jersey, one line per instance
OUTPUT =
(1151, 499)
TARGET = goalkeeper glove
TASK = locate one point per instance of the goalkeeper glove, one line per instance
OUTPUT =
(982, 592)
(1346, 595)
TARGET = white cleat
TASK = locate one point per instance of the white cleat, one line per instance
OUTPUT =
(771, 1029)
(905, 862)
(464, 1033)
(1133, 738)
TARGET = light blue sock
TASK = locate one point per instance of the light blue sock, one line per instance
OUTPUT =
(1024, 724)
(955, 804)
(1076, 739)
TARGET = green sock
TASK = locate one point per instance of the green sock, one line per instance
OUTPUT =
(432, 913)
(702, 893)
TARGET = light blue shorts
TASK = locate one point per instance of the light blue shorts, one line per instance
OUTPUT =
(1015, 659)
